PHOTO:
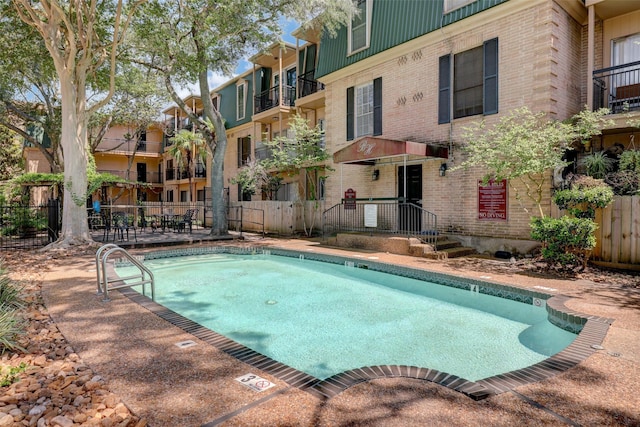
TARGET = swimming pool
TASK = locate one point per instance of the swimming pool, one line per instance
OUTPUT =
(327, 319)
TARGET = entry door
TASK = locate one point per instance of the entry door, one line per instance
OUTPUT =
(410, 218)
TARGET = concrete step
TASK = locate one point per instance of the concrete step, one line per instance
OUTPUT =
(447, 244)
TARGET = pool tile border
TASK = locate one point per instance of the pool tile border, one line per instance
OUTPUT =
(591, 331)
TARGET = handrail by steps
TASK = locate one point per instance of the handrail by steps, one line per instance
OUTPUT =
(104, 281)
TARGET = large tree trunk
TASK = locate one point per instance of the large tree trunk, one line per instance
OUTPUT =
(220, 223)
(75, 228)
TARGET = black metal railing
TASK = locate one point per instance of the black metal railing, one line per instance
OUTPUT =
(148, 177)
(380, 216)
(617, 88)
(307, 85)
(199, 171)
(271, 98)
(28, 226)
(263, 153)
(237, 220)
(120, 146)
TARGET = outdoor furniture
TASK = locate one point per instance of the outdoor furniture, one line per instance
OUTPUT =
(188, 218)
(121, 223)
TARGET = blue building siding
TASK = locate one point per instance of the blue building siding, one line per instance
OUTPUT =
(394, 22)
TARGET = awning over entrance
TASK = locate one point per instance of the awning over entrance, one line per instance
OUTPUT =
(368, 149)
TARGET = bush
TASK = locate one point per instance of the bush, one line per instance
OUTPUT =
(598, 164)
(623, 182)
(11, 328)
(584, 197)
(566, 242)
(9, 292)
(630, 161)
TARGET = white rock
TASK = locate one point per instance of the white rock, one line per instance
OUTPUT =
(37, 410)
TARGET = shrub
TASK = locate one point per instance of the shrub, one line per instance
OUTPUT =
(9, 292)
(9, 374)
(584, 197)
(630, 161)
(566, 242)
(623, 182)
(11, 328)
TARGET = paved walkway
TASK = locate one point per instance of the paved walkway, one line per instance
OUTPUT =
(169, 385)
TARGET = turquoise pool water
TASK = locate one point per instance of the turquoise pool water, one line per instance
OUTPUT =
(324, 319)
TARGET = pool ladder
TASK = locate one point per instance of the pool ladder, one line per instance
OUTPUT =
(143, 278)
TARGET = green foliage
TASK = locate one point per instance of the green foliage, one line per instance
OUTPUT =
(9, 291)
(9, 374)
(20, 220)
(524, 146)
(11, 162)
(584, 197)
(252, 177)
(598, 165)
(566, 242)
(11, 328)
(630, 161)
(587, 124)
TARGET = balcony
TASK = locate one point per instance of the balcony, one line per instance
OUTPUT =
(124, 146)
(307, 85)
(149, 177)
(617, 88)
(271, 98)
(171, 174)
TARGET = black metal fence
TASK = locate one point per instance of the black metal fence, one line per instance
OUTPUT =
(617, 88)
(29, 226)
(375, 216)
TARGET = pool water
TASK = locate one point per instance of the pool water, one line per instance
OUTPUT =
(324, 319)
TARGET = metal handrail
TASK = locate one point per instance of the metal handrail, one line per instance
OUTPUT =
(397, 218)
(104, 281)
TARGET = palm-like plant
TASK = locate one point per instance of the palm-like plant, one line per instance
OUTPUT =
(187, 148)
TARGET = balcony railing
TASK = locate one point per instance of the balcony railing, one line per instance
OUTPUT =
(307, 85)
(149, 177)
(120, 145)
(263, 153)
(271, 98)
(617, 88)
(200, 171)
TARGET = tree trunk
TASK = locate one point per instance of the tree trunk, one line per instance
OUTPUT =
(220, 223)
(75, 228)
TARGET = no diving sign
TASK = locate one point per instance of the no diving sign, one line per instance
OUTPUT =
(255, 382)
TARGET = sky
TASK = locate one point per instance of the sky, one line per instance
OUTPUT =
(216, 80)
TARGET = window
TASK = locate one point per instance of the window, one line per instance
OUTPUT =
(241, 98)
(624, 51)
(321, 127)
(200, 195)
(359, 31)
(450, 5)
(244, 150)
(169, 195)
(183, 196)
(364, 110)
(215, 99)
(475, 83)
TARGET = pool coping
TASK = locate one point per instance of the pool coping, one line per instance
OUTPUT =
(591, 331)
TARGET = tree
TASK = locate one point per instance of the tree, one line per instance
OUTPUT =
(29, 101)
(10, 154)
(189, 39)
(300, 152)
(522, 147)
(187, 148)
(83, 41)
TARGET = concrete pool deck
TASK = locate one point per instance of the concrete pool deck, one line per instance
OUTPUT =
(167, 385)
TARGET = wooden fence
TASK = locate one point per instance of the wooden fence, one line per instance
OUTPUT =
(280, 217)
(618, 234)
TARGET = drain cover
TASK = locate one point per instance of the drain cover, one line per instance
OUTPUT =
(614, 354)
(185, 344)
(597, 347)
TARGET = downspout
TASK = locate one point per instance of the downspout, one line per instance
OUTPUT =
(590, 54)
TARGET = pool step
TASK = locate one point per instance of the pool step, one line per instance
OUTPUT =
(446, 248)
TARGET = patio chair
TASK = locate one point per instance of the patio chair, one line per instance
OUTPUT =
(189, 216)
(121, 222)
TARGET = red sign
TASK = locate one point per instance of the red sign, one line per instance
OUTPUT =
(350, 199)
(492, 201)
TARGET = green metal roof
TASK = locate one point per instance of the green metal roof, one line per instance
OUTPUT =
(393, 23)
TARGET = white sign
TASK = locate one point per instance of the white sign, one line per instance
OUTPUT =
(370, 215)
(255, 382)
